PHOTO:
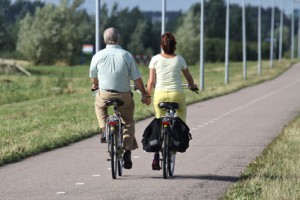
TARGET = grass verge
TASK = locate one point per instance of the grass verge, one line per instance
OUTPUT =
(54, 107)
(275, 174)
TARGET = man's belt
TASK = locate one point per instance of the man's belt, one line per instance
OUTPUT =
(112, 91)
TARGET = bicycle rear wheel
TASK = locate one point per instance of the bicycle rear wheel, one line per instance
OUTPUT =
(113, 155)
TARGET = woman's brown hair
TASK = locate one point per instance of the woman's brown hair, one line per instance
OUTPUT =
(168, 43)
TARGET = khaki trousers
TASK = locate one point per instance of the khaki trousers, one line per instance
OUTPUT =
(126, 111)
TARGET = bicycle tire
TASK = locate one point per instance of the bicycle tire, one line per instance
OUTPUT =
(165, 154)
(171, 163)
(171, 156)
(120, 166)
(113, 155)
(120, 155)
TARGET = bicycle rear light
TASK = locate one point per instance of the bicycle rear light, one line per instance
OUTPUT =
(165, 123)
(112, 123)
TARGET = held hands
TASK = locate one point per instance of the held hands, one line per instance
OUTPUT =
(94, 87)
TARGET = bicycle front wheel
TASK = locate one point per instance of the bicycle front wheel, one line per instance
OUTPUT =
(113, 155)
(165, 163)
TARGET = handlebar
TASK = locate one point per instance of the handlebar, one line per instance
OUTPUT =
(192, 89)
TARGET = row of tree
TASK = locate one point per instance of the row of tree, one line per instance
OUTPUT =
(47, 33)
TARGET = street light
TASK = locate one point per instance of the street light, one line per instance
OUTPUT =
(244, 42)
(281, 29)
(272, 35)
(97, 21)
(259, 38)
(292, 31)
(298, 30)
(201, 46)
(163, 17)
(227, 43)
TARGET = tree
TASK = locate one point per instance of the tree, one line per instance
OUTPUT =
(4, 4)
(54, 34)
(10, 14)
(215, 19)
(188, 36)
(139, 38)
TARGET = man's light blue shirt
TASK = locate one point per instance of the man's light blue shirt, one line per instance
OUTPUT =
(114, 67)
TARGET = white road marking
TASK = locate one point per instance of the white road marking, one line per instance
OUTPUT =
(245, 105)
(79, 184)
(96, 175)
(137, 157)
(60, 192)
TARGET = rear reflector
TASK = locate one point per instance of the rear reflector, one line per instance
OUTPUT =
(165, 123)
(112, 123)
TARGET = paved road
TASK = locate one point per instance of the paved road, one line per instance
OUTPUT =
(228, 133)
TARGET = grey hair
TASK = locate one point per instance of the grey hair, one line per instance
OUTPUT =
(111, 36)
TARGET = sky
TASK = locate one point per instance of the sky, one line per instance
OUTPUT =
(150, 5)
(171, 5)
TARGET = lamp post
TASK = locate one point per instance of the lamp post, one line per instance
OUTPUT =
(298, 13)
(202, 46)
(97, 26)
(292, 31)
(280, 34)
(227, 43)
(272, 35)
(259, 39)
(163, 17)
(298, 35)
(244, 42)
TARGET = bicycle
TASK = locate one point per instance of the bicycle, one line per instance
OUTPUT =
(114, 136)
(169, 156)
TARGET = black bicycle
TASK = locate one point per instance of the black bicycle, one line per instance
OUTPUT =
(169, 156)
(114, 136)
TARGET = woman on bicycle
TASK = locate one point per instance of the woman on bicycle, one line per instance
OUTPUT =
(165, 74)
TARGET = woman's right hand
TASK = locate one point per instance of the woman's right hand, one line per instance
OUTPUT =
(193, 87)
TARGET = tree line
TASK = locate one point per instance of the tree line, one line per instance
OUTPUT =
(47, 34)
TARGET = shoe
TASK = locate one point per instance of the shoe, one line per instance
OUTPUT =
(127, 160)
(103, 138)
(155, 165)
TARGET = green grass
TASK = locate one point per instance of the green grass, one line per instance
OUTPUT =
(54, 106)
(275, 174)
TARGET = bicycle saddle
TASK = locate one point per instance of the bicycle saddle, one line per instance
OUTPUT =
(116, 102)
(168, 105)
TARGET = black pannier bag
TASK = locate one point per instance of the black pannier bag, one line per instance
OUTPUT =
(151, 138)
(181, 136)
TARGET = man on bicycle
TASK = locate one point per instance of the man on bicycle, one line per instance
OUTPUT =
(111, 70)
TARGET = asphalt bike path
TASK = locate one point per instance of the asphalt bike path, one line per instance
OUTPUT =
(228, 133)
